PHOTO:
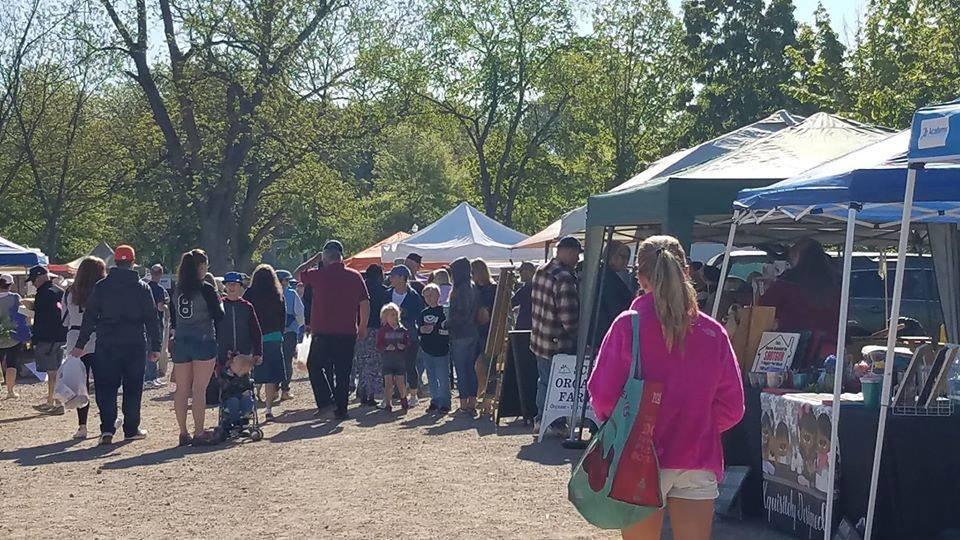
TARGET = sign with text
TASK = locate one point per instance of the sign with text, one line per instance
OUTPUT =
(560, 391)
(776, 352)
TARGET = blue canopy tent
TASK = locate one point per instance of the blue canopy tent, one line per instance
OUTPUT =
(12, 254)
(873, 190)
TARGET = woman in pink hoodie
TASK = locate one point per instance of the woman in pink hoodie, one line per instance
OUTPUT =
(690, 354)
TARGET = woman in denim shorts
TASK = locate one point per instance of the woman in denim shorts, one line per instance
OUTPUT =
(197, 311)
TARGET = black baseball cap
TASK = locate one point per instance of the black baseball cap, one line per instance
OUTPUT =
(415, 257)
(37, 271)
(333, 245)
(570, 242)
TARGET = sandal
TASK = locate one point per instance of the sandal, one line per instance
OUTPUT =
(185, 440)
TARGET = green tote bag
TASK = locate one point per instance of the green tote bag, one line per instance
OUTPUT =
(617, 482)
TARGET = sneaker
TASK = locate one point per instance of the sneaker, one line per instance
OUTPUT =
(138, 436)
(43, 407)
(386, 406)
(81, 433)
(185, 440)
(159, 383)
(413, 401)
(106, 439)
(404, 404)
(268, 415)
(56, 410)
(149, 385)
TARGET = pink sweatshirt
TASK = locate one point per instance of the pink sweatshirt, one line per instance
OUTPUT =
(702, 389)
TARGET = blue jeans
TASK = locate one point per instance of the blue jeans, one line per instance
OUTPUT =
(543, 377)
(464, 357)
(150, 372)
(438, 378)
(235, 408)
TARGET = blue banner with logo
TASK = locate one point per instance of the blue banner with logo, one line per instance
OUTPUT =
(935, 134)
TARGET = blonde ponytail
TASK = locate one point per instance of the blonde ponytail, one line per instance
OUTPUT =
(662, 261)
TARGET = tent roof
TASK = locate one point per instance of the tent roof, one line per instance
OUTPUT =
(874, 177)
(710, 188)
(575, 221)
(371, 255)
(12, 254)
(102, 250)
(462, 232)
(935, 136)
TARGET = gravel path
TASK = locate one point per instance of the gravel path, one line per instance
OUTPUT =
(372, 476)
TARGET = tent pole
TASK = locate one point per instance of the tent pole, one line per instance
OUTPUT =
(838, 367)
(575, 437)
(725, 266)
(891, 340)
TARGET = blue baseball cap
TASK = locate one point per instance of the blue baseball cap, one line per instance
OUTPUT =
(284, 275)
(233, 277)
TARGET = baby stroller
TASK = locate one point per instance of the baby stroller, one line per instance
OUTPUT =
(247, 427)
(237, 391)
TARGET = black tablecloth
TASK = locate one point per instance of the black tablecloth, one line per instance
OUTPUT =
(919, 487)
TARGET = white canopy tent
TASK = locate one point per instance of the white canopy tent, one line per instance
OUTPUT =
(574, 222)
(464, 232)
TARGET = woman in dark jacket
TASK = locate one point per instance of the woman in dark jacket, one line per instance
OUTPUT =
(462, 328)
(366, 359)
(267, 298)
(198, 310)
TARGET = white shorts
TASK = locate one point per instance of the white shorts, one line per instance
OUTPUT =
(688, 484)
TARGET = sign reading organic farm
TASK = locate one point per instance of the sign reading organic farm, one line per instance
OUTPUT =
(776, 352)
(562, 391)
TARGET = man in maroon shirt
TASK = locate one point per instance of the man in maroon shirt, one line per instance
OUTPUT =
(340, 301)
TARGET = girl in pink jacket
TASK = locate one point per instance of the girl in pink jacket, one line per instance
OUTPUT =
(691, 355)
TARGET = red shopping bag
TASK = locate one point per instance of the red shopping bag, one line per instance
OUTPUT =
(638, 476)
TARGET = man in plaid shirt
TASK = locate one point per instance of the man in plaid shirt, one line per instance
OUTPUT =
(556, 312)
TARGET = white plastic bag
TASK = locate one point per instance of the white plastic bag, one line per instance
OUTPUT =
(71, 388)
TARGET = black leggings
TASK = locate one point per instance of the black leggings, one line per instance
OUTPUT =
(9, 357)
(82, 412)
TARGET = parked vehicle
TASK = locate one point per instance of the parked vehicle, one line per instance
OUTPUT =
(867, 299)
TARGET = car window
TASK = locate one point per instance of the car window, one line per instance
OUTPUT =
(868, 284)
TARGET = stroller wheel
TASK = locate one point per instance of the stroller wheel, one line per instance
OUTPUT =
(256, 434)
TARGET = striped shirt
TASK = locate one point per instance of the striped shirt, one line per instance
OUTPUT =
(555, 310)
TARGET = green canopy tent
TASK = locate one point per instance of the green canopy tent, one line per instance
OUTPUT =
(695, 204)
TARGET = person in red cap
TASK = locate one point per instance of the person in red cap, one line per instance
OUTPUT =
(122, 313)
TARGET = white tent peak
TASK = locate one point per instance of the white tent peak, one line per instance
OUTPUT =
(461, 232)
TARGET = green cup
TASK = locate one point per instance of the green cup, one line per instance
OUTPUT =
(871, 392)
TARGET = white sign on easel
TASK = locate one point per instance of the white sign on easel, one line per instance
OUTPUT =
(776, 352)
(560, 391)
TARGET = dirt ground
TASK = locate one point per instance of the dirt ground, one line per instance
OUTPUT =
(372, 476)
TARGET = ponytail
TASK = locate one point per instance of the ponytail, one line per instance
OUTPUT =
(662, 261)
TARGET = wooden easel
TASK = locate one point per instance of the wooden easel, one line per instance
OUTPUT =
(495, 351)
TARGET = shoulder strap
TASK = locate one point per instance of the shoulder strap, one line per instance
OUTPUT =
(635, 323)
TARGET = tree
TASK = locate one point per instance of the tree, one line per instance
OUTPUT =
(642, 80)
(247, 91)
(907, 56)
(739, 53)
(821, 79)
(496, 66)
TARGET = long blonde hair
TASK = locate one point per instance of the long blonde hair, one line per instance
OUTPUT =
(662, 261)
